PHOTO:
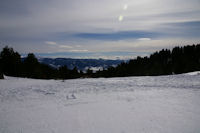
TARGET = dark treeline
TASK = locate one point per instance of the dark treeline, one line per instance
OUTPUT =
(165, 62)
(11, 64)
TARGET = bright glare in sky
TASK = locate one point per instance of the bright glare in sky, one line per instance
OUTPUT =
(125, 7)
(120, 18)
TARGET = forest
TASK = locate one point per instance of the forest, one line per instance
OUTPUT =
(165, 62)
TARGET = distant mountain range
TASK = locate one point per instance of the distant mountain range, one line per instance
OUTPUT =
(81, 64)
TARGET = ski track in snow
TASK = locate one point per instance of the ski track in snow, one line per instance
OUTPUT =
(167, 104)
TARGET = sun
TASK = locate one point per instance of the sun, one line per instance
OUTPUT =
(125, 7)
(120, 18)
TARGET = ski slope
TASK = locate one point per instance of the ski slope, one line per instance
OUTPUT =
(160, 104)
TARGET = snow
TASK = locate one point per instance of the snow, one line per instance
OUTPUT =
(167, 104)
(193, 73)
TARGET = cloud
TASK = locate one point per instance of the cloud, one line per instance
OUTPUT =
(118, 35)
(144, 39)
(65, 46)
(182, 29)
(50, 42)
(78, 50)
(94, 25)
(95, 55)
(58, 45)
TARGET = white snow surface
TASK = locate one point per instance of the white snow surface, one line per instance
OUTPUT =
(193, 73)
(160, 104)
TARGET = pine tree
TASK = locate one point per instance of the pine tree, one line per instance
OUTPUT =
(10, 61)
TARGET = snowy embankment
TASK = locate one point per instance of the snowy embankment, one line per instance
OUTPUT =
(167, 104)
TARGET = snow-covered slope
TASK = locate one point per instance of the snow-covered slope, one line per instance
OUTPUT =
(193, 73)
(161, 104)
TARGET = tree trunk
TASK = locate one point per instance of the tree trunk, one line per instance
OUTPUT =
(1, 76)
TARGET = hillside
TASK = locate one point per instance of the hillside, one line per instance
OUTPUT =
(81, 64)
(169, 104)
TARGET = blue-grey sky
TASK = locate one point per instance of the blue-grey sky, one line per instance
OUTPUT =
(98, 28)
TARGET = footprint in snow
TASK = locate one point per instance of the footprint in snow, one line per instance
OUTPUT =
(72, 96)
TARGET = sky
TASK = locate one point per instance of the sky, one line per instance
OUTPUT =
(107, 29)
